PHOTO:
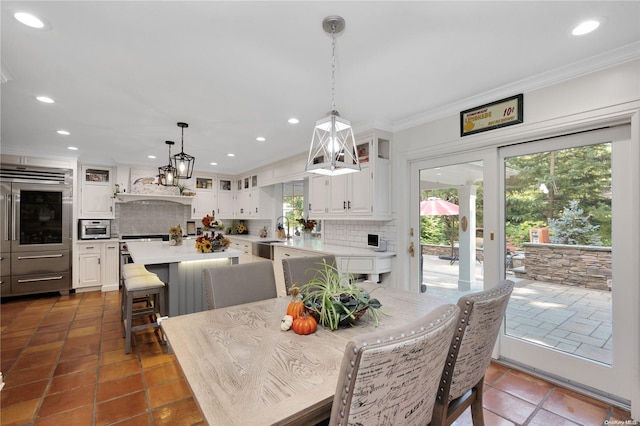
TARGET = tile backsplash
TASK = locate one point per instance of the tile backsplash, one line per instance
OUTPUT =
(149, 217)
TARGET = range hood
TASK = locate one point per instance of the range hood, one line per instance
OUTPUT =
(127, 198)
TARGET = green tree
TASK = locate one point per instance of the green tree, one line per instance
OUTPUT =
(573, 227)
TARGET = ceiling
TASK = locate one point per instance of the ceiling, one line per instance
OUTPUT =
(122, 74)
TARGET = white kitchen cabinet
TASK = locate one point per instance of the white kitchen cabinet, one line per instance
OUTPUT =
(245, 248)
(96, 192)
(359, 195)
(248, 198)
(98, 264)
(204, 202)
(225, 198)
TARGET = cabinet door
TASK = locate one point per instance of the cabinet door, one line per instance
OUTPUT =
(338, 195)
(360, 192)
(90, 269)
(204, 202)
(318, 195)
(96, 193)
(111, 265)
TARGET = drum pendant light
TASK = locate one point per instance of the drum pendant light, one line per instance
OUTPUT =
(167, 174)
(333, 150)
(183, 163)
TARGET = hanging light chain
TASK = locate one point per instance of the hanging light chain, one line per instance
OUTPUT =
(333, 67)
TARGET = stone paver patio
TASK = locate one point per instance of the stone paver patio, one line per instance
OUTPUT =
(571, 319)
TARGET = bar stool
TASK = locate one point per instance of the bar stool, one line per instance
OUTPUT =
(130, 270)
(141, 285)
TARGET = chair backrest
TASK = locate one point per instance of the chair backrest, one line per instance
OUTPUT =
(391, 376)
(302, 269)
(236, 284)
(482, 313)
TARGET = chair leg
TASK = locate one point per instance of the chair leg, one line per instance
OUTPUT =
(127, 322)
(476, 406)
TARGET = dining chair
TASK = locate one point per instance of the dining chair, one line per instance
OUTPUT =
(461, 385)
(391, 376)
(236, 284)
(302, 269)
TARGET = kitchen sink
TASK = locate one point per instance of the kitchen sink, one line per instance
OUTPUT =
(264, 248)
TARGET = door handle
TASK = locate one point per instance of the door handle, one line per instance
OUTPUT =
(412, 250)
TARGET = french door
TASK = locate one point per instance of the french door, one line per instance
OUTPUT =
(572, 196)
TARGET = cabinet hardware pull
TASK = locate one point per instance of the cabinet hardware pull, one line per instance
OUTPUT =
(44, 256)
(344, 205)
(412, 249)
(40, 279)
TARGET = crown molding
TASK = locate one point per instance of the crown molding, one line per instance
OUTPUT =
(595, 63)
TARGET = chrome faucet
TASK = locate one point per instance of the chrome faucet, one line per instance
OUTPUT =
(287, 220)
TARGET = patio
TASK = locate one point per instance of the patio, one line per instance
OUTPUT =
(571, 319)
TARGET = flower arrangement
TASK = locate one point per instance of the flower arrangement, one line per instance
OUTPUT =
(208, 244)
(307, 225)
(175, 235)
(210, 222)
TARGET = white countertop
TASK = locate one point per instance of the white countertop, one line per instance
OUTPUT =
(320, 247)
(156, 252)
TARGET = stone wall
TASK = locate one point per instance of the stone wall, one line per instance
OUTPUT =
(437, 250)
(580, 266)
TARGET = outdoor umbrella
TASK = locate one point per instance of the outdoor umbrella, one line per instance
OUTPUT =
(434, 206)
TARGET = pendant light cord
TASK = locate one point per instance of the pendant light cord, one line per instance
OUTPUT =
(333, 67)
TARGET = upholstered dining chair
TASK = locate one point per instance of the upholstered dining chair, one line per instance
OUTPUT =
(391, 377)
(461, 385)
(302, 269)
(237, 284)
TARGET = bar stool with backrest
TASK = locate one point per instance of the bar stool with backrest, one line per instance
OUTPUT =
(138, 282)
(461, 384)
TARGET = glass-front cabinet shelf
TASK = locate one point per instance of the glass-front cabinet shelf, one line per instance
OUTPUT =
(225, 185)
(204, 183)
(97, 175)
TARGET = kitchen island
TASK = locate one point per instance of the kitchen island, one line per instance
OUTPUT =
(352, 260)
(181, 268)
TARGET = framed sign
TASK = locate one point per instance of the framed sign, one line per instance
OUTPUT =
(505, 112)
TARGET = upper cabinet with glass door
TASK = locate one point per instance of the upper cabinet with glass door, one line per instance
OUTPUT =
(226, 198)
(204, 202)
(96, 192)
(359, 195)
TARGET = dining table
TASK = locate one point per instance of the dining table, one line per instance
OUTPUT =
(244, 370)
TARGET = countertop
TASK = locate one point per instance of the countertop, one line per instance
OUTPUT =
(315, 244)
(157, 252)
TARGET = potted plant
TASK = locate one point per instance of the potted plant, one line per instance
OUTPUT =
(334, 299)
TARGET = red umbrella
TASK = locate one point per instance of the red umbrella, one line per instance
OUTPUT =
(434, 206)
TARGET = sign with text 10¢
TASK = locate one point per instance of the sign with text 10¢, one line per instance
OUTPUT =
(494, 115)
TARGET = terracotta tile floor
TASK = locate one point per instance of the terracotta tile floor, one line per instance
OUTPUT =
(63, 362)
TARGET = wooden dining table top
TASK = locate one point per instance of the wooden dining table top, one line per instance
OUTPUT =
(244, 370)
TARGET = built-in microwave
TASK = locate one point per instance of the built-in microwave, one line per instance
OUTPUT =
(93, 229)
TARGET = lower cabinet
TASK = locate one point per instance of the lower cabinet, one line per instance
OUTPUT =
(245, 248)
(98, 265)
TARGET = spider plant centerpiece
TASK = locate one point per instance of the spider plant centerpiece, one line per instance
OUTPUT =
(334, 299)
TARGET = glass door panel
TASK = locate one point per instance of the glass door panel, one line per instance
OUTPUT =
(561, 204)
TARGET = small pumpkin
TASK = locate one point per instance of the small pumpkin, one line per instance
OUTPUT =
(285, 323)
(304, 324)
(296, 306)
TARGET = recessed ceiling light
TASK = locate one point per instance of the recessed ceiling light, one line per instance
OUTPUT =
(72, 148)
(45, 99)
(231, 155)
(29, 20)
(63, 132)
(153, 157)
(214, 163)
(293, 120)
(585, 27)
(261, 139)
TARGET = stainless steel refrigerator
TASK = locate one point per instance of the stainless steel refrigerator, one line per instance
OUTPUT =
(36, 234)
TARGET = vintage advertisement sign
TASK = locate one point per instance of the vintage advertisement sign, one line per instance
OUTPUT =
(505, 112)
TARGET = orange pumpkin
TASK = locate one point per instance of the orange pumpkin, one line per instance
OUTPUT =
(304, 324)
(295, 308)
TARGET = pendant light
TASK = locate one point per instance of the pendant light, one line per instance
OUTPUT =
(333, 150)
(183, 163)
(167, 174)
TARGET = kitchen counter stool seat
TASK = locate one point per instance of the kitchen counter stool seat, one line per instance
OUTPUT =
(130, 270)
(148, 285)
